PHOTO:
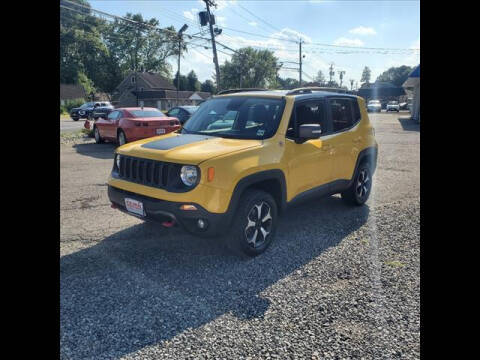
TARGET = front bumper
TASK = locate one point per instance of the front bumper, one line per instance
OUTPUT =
(163, 210)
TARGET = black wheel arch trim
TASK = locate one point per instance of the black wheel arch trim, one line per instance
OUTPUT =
(251, 180)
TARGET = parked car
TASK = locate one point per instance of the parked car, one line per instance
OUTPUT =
(393, 106)
(374, 105)
(242, 159)
(182, 113)
(102, 111)
(129, 124)
(403, 106)
(85, 111)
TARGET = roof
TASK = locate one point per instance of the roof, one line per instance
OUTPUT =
(415, 72)
(156, 81)
(282, 93)
(169, 94)
(71, 91)
(413, 78)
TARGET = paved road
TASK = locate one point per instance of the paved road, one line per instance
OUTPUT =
(339, 281)
(68, 125)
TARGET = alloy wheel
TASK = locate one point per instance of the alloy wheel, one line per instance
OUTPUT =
(363, 183)
(259, 224)
(121, 139)
(97, 135)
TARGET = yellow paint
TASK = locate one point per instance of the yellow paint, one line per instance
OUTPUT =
(305, 166)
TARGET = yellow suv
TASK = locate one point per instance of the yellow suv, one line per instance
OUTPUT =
(243, 158)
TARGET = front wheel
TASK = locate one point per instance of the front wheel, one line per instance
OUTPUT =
(75, 118)
(359, 192)
(121, 138)
(255, 223)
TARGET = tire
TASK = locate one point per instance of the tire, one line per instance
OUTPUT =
(75, 118)
(121, 138)
(359, 192)
(247, 234)
(96, 134)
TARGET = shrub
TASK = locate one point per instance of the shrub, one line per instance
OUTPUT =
(70, 104)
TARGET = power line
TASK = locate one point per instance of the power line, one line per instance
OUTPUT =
(259, 18)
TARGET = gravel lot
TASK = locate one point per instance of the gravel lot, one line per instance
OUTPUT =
(338, 283)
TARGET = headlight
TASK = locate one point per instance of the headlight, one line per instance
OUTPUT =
(117, 161)
(189, 175)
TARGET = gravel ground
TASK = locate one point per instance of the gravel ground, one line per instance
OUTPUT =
(338, 283)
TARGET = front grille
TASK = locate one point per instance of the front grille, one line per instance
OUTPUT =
(144, 171)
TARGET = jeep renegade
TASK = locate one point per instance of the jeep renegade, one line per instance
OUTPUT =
(243, 158)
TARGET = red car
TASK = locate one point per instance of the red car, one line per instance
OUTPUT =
(129, 124)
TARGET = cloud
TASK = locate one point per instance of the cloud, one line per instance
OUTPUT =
(252, 23)
(221, 4)
(191, 14)
(343, 41)
(287, 33)
(362, 30)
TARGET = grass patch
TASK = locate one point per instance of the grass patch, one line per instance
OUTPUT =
(68, 137)
(395, 263)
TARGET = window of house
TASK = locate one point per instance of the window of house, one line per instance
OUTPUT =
(342, 116)
(309, 112)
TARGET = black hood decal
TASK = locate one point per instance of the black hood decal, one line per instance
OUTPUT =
(172, 142)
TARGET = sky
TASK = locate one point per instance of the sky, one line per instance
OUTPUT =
(338, 32)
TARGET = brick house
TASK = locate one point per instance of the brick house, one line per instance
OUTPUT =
(153, 90)
(71, 92)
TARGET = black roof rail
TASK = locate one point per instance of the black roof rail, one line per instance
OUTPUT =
(232, 91)
(309, 90)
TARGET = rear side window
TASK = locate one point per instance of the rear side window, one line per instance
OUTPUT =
(357, 116)
(342, 115)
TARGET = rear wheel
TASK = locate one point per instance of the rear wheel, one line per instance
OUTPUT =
(255, 223)
(359, 192)
(96, 133)
(121, 138)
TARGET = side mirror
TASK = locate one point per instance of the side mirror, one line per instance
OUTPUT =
(308, 132)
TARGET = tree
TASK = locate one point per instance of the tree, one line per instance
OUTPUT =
(208, 86)
(192, 81)
(249, 68)
(395, 75)
(366, 74)
(320, 78)
(183, 82)
(288, 83)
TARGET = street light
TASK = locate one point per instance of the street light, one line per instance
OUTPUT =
(182, 29)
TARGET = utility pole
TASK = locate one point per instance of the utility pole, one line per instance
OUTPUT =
(351, 84)
(300, 63)
(331, 73)
(341, 73)
(180, 32)
(209, 3)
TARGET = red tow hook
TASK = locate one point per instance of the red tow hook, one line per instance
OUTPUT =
(168, 224)
(86, 125)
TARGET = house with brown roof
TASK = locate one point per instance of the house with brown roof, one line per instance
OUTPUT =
(71, 92)
(153, 90)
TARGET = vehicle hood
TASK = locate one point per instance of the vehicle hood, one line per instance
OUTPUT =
(185, 148)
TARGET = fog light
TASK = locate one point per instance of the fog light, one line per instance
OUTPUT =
(202, 224)
(188, 207)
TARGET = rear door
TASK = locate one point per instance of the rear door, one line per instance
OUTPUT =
(346, 137)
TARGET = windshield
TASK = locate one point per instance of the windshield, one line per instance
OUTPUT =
(86, 105)
(373, 102)
(393, 103)
(237, 117)
(147, 113)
